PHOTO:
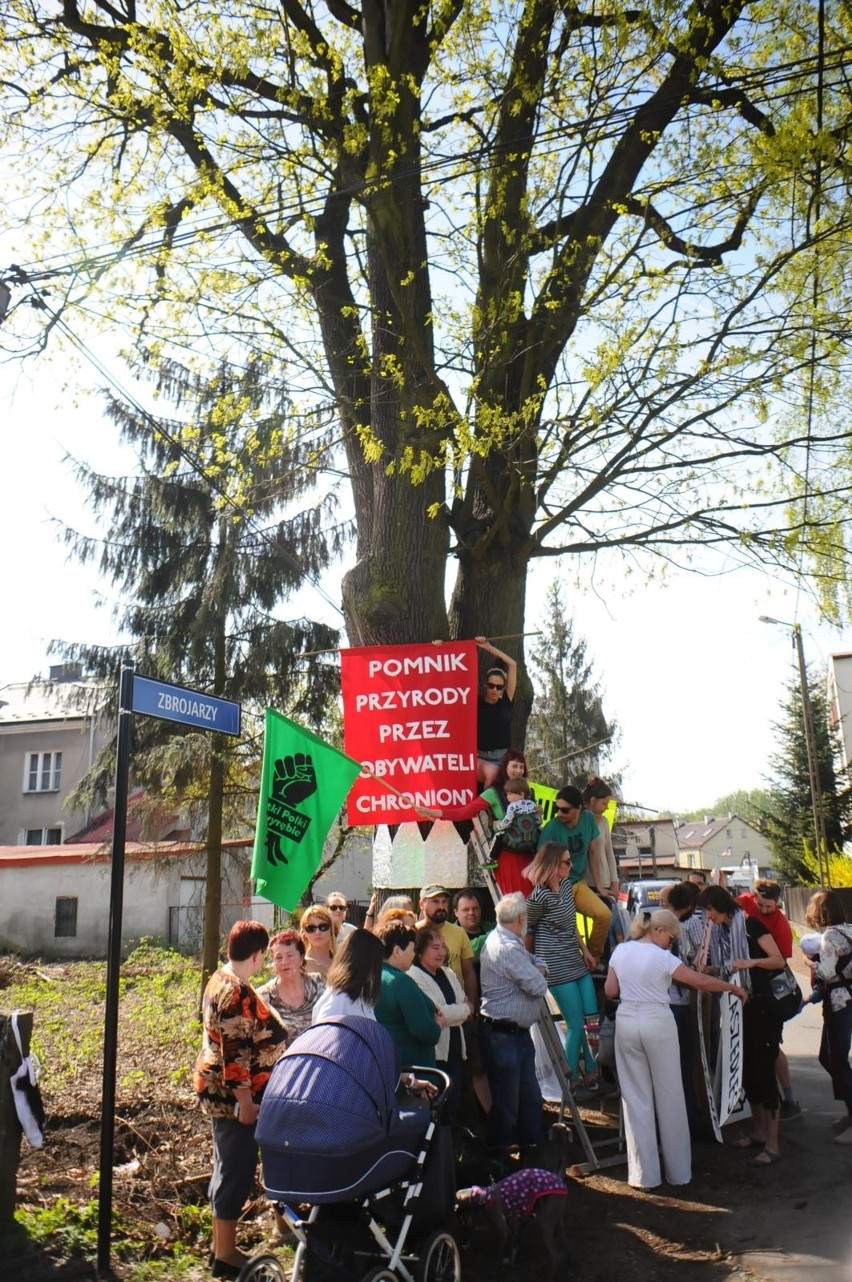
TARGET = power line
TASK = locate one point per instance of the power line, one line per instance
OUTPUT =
(140, 247)
(186, 455)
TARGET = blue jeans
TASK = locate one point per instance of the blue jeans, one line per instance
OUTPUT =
(516, 1103)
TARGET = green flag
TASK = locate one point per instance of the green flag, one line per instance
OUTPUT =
(303, 785)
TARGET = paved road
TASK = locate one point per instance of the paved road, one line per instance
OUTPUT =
(803, 1220)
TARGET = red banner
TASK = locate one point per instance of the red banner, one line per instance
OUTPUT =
(409, 717)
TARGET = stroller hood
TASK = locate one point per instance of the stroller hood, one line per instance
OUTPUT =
(333, 1089)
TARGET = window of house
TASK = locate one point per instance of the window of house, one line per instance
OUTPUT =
(42, 837)
(65, 922)
(43, 772)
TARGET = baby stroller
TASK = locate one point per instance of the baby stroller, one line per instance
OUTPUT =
(376, 1170)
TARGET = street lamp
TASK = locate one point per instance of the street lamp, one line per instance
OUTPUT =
(811, 747)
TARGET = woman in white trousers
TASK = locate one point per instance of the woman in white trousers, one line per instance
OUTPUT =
(647, 1057)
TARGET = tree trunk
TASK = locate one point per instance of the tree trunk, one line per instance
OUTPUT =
(213, 882)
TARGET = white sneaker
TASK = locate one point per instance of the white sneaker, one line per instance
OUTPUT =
(845, 1137)
(841, 1124)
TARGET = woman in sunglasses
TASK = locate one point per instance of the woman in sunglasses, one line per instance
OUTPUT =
(576, 828)
(319, 936)
(494, 714)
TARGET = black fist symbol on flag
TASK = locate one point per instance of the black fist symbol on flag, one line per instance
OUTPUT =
(294, 778)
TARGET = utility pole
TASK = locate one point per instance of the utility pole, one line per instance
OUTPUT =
(811, 748)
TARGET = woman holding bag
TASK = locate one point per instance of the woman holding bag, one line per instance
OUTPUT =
(763, 1020)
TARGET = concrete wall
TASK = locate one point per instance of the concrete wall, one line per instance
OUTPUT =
(152, 887)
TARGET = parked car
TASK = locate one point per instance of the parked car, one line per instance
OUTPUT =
(636, 895)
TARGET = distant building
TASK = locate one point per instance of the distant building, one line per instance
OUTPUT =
(55, 901)
(670, 847)
(50, 733)
(645, 848)
(840, 704)
(731, 842)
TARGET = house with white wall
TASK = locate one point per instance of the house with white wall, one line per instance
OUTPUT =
(55, 901)
(730, 842)
(840, 703)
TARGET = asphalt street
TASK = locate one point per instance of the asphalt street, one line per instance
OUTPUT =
(799, 1222)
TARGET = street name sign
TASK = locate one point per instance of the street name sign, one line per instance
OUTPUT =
(189, 707)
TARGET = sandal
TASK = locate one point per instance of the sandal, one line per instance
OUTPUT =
(749, 1141)
(766, 1158)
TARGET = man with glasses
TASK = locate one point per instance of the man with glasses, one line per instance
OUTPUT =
(494, 714)
(336, 904)
(577, 830)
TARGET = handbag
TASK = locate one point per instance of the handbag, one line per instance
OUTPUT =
(606, 1042)
(786, 993)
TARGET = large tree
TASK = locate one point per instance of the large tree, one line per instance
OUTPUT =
(788, 819)
(205, 544)
(557, 269)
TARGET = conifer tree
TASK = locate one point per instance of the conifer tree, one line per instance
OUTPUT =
(788, 819)
(568, 733)
(204, 545)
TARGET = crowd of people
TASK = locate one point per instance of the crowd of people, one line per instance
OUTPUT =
(463, 995)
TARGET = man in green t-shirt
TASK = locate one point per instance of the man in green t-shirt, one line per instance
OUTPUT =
(467, 907)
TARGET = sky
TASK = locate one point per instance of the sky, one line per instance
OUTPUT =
(693, 677)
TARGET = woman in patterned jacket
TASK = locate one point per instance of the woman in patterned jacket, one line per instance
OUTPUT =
(242, 1040)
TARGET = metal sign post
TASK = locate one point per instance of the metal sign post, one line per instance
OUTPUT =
(171, 703)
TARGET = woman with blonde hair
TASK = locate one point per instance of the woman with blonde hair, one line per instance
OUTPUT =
(552, 935)
(641, 971)
(319, 935)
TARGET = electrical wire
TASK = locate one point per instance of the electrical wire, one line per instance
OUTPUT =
(141, 247)
(186, 455)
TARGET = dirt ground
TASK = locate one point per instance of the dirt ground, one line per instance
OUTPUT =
(162, 1165)
(721, 1226)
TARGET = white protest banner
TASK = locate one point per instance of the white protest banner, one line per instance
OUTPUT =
(730, 1056)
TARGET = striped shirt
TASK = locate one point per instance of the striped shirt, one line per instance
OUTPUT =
(552, 918)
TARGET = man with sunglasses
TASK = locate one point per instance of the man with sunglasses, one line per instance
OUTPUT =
(576, 828)
(494, 714)
(336, 904)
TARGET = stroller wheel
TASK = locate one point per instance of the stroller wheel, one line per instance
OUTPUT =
(380, 1274)
(262, 1268)
(438, 1259)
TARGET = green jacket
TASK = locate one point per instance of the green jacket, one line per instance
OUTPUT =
(409, 1017)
